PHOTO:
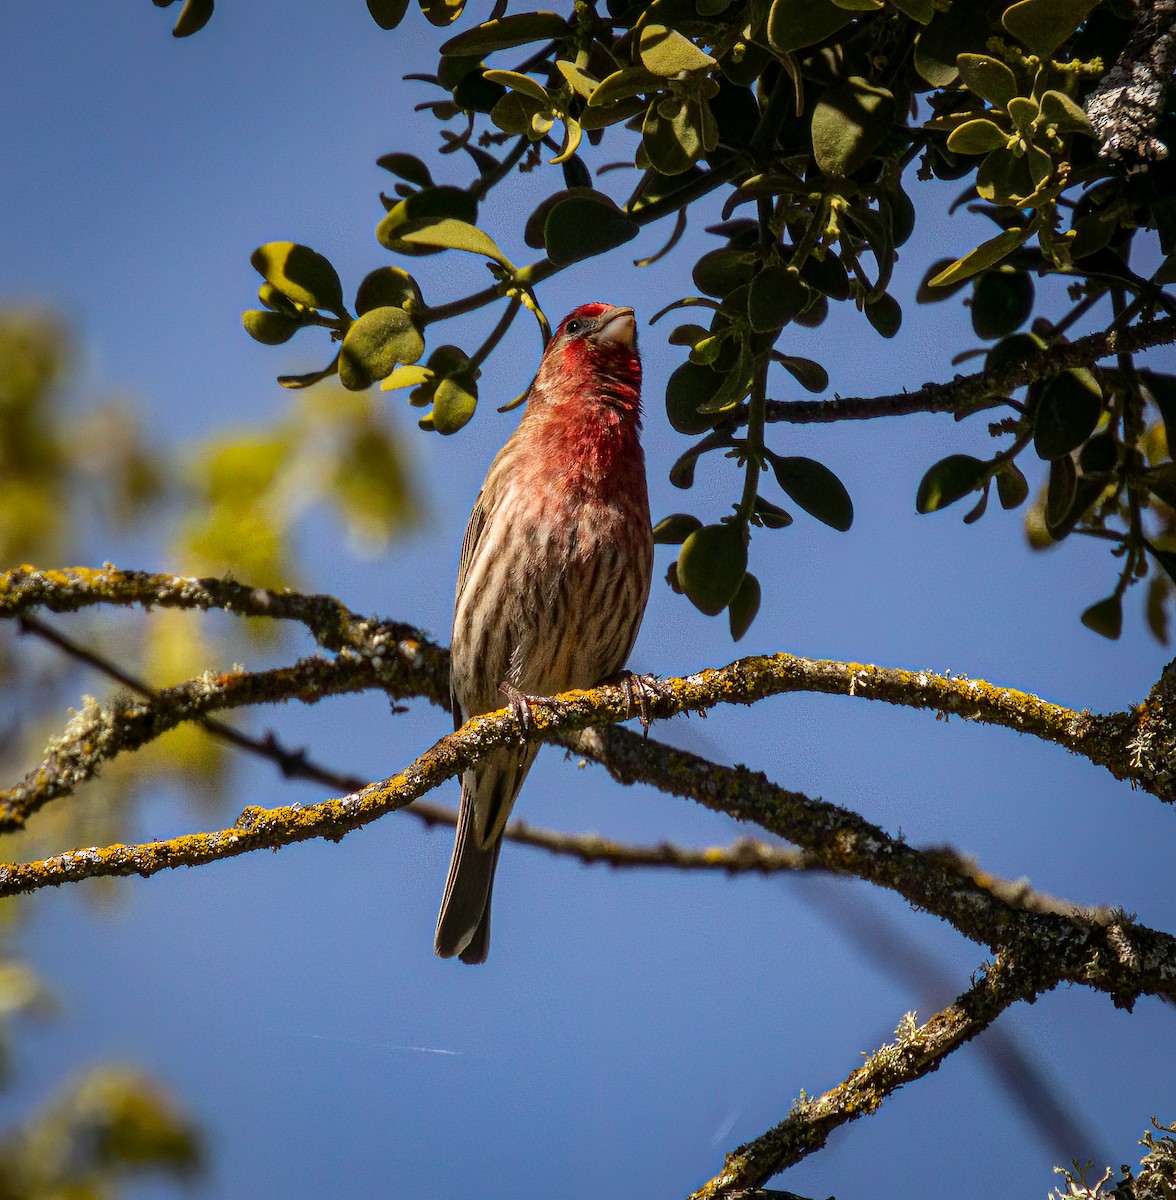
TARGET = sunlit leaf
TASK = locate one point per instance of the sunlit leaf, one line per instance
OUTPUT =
(375, 343)
(515, 30)
(675, 529)
(301, 274)
(1043, 25)
(986, 255)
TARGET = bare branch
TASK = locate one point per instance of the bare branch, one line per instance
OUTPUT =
(971, 393)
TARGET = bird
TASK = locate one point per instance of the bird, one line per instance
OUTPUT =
(554, 576)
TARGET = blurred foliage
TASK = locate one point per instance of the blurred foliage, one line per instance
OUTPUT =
(818, 123)
(77, 471)
(74, 470)
(103, 1131)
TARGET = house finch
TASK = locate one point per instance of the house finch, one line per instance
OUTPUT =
(554, 575)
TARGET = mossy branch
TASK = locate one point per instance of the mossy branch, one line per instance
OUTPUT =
(1110, 955)
(916, 1051)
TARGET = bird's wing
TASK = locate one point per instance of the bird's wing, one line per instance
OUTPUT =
(473, 531)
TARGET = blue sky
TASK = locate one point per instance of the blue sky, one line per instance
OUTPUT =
(630, 1027)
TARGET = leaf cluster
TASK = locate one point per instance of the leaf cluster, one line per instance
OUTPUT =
(814, 120)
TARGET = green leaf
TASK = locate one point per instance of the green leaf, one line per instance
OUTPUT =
(950, 32)
(302, 381)
(195, 15)
(301, 274)
(1001, 301)
(388, 287)
(711, 566)
(515, 30)
(885, 314)
(675, 529)
(1101, 454)
(406, 166)
(771, 516)
(1105, 617)
(918, 10)
(1067, 413)
(986, 255)
(777, 295)
(1011, 486)
(672, 143)
(533, 227)
(387, 14)
(988, 78)
(269, 328)
(454, 403)
(815, 488)
(1023, 111)
(1012, 351)
(667, 53)
(744, 606)
(849, 122)
(424, 208)
(404, 377)
(977, 137)
(584, 225)
(517, 82)
(623, 85)
(1060, 493)
(582, 83)
(515, 113)
(719, 272)
(441, 12)
(448, 234)
(688, 389)
(932, 295)
(375, 343)
(1058, 109)
(794, 24)
(949, 480)
(1043, 25)
(810, 375)
(827, 274)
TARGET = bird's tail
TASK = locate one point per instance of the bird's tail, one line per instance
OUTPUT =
(463, 928)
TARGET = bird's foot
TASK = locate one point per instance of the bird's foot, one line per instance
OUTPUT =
(521, 705)
(640, 691)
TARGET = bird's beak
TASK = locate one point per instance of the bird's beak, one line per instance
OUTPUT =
(617, 327)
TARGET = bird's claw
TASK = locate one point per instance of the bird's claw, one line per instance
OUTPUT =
(521, 704)
(640, 691)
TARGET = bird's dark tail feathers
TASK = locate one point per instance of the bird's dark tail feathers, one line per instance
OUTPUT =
(463, 928)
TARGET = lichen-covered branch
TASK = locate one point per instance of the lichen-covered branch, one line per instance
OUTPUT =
(1111, 955)
(1126, 105)
(398, 649)
(984, 389)
(916, 1051)
(1155, 1179)
(1130, 745)
(97, 732)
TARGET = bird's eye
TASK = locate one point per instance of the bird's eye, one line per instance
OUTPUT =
(574, 327)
